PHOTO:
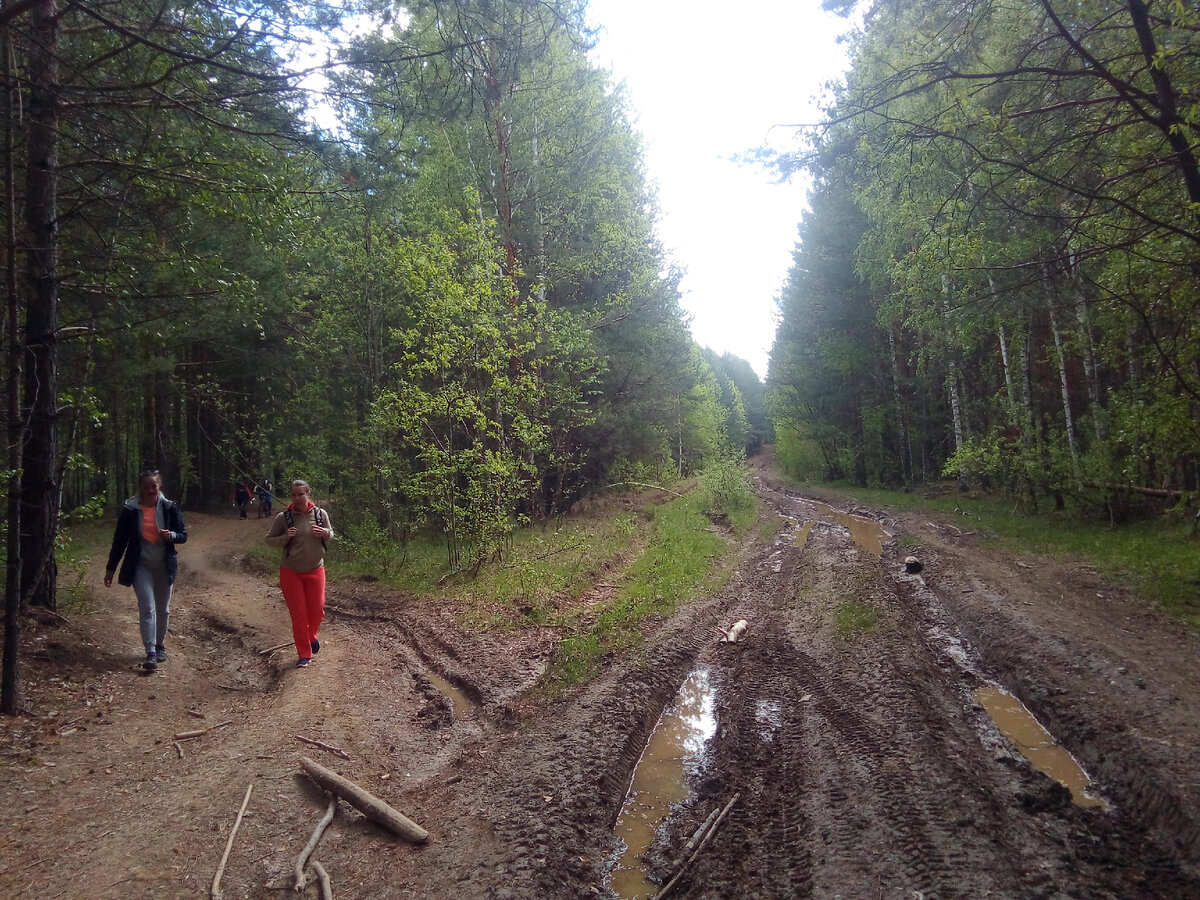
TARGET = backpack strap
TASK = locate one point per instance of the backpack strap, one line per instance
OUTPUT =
(318, 519)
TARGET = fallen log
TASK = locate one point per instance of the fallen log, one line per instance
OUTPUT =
(216, 884)
(370, 806)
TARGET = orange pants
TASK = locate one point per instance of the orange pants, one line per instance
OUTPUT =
(304, 593)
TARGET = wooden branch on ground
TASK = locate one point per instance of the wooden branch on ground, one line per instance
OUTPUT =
(371, 807)
(178, 749)
(323, 881)
(215, 894)
(302, 859)
(335, 750)
(703, 840)
(276, 647)
(200, 732)
(657, 487)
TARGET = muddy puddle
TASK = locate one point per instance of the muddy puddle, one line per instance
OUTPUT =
(1037, 744)
(462, 706)
(866, 533)
(673, 752)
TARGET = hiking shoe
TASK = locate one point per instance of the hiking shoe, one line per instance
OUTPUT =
(316, 646)
(160, 654)
(302, 662)
(151, 662)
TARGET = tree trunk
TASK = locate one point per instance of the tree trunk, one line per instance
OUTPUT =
(952, 380)
(39, 491)
(10, 678)
(1068, 417)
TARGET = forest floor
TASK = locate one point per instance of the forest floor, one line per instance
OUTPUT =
(862, 763)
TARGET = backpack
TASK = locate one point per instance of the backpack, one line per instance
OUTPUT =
(318, 519)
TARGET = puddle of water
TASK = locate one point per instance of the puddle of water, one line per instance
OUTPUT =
(673, 750)
(1036, 744)
(462, 706)
(867, 533)
(803, 530)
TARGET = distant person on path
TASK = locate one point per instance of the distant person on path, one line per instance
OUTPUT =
(148, 528)
(264, 498)
(303, 530)
(241, 496)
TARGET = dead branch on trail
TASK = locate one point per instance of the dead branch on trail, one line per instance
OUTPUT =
(657, 487)
(178, 749)
(703, 840)
(323, 881)
(371, 807)
(276, 647)
(331, 749)
(302, 859)
(200, 732)
(216, 885)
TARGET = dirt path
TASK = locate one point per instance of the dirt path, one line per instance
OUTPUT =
(865, 767)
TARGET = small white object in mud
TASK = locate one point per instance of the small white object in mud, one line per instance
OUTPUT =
(735, 633)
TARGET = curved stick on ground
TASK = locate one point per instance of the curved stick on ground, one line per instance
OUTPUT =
(302, 859)
(370, 806)
(323, 881)
(216, 885)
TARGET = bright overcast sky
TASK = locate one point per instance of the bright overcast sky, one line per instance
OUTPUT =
(708, 81)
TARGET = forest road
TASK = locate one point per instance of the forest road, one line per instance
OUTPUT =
(846, 723)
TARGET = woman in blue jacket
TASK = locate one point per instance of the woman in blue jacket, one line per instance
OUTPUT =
(148, 528)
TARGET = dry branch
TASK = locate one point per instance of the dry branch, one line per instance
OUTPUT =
(703, 840)
(200, 732)
(657, 487)
(216, 885)
(302, 859)
(276, 647)
(371, 807)
(335, 750)
(323, 881)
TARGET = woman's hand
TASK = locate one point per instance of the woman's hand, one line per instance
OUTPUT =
(291, 532)
(108, 579)
(164, 534)
(320, 531)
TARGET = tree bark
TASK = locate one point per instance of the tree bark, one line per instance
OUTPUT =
(39, 488)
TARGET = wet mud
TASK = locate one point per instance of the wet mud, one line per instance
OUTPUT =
(856, 751)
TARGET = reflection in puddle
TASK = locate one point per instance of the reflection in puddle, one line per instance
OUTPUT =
(462, 706)
(867, 533)
(659, 780)
(1036, 744)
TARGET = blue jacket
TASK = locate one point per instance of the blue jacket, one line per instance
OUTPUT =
(127, 539)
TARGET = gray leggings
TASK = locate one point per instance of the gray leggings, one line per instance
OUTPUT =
(153, 589)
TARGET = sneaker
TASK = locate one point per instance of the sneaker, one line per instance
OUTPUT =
(160, 654)
(302, 662)
(316, 646)
(151, 662)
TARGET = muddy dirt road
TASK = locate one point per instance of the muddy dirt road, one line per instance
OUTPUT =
(862, 762)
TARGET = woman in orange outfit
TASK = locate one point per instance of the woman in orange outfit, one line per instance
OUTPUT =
(303, 531)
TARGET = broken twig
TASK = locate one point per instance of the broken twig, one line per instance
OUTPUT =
(302, 859)
(335, 750)
(703, 840)
(216, 885)
(276, 647)
(200, 732)
(323, 881)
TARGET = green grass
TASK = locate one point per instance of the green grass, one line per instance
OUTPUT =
(1157, 558)
(853, 618)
